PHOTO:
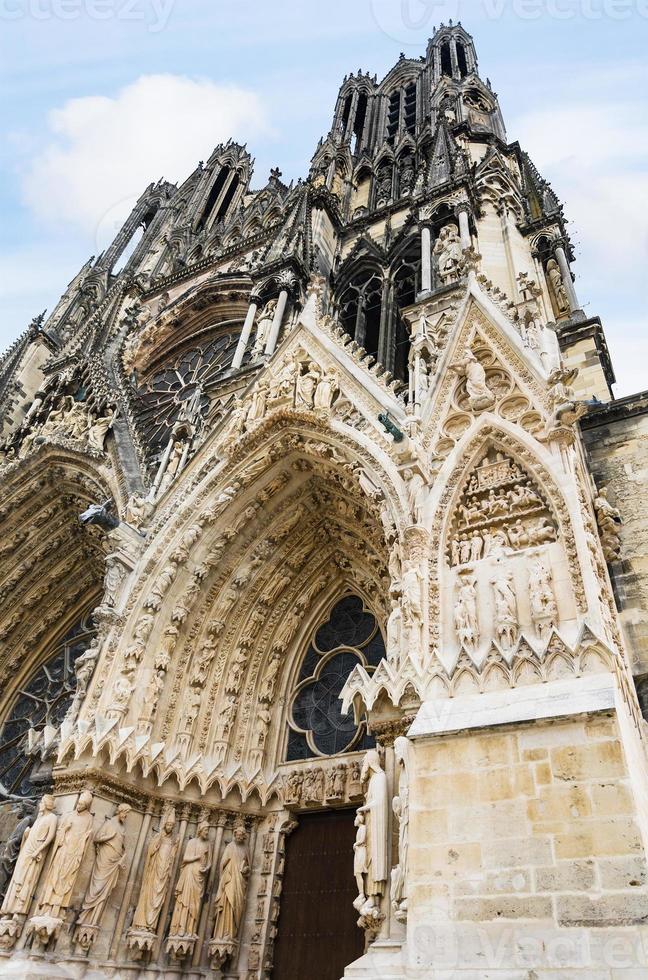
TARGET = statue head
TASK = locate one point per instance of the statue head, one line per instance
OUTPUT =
(169, 819)
(359, 819)
(203, 830)
(46, 804)
(122, 812)
(240, 833)
(84, 802)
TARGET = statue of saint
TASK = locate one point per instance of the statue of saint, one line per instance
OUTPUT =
(109, 844)
(72, 837)
(230, 897)
(191, 881)
(35, 842)
(157, 873)
(375, 810)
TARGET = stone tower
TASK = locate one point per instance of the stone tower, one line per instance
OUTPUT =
(299, 519)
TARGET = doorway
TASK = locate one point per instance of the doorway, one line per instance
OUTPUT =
(317, 932)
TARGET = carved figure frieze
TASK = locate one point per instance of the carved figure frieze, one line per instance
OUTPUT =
(500, 512)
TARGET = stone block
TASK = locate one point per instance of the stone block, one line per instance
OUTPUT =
(566, 876)
(503, 907)
(622, 909)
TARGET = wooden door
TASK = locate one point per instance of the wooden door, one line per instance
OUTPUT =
(317, 932)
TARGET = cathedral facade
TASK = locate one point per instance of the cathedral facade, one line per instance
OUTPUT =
(324, 576)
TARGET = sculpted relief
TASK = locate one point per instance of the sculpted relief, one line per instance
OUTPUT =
(502, 550)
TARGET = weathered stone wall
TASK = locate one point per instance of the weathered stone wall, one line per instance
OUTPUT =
(616, 437)
(526, 854)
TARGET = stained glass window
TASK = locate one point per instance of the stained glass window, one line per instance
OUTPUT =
(42, 700)
(191, 375)
(316, 723)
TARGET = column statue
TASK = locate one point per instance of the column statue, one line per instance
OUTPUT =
(29, 864)
(189, 892)
(374, 811)
(109, 844)
(155, 883)
(230, 897)
(72, 837)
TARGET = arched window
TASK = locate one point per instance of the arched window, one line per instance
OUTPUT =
(393, 116)
(409, 109)
(360, 311)
(446, 59)
(461, 60)
(213, 196)
(316, 725)
(42, 700)
(129, 250)
(359, 122)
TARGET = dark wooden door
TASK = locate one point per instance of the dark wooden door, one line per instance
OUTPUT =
(318, 936)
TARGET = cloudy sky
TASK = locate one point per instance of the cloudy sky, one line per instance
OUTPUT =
(100, 97)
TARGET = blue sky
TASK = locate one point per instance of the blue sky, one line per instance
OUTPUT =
(99, 97)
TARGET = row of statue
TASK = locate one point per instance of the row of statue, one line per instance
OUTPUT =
(495, 542)
(316, 785)
(69, 419)
(68, 838)
(504, 604)
(299, 383)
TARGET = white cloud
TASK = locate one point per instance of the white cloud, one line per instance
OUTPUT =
(102, 152)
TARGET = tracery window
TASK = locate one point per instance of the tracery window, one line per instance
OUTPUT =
(42, 700)
(190, 377)
(316, 725)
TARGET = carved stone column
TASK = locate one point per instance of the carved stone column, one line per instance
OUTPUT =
(273, 335)
(426, 259)
(245, 334)
(464, 227)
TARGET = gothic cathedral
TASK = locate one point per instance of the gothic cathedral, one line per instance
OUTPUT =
(323, 638)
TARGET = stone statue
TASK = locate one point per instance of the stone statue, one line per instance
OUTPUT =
(394, 632)
(191, 881)
(465, 613)
(72, 836)
(544, 611)
(258, 403)
(172, 466)
(99, 430)
(412, 607)
(417, 492)
(269, 681)
(138, 511)
(608, 519)
(264, 324)
(448, 253)
(480, 396)
(506, 618)
(157, 875)
(230, 897)
(31, 858)
(109, 844)
(400, 806)
(360, 861)
(84, 669)
(374, 810)
(557, 287)
(307, 385)
(326, 391)
(26, 815)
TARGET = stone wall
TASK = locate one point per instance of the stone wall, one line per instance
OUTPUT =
(616, 437)
(526, 855)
